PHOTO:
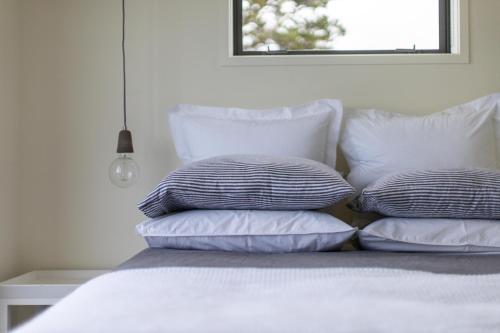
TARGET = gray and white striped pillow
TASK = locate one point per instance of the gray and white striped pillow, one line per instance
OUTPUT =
(256, 182)
(456, 193)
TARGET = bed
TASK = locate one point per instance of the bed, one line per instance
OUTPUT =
(161, 290)
(438, 191)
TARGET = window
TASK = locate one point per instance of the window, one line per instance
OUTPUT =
(303, 27)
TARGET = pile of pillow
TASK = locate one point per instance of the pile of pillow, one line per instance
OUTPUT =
(436, 178)
(253, 180)
(261, 201)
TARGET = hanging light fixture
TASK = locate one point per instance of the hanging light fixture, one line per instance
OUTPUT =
(124, 171)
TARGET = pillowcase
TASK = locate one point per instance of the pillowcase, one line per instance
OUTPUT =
(491, 102)
(247, 231)
(309, 131)
(378, 143)
(456, 193)
(248, 182)
(431, 235)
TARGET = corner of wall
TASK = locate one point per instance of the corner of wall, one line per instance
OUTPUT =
(10, 249)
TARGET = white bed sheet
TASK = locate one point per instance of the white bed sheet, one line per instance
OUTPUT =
(197, 299)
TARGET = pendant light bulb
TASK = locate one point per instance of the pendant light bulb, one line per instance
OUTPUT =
(124, 171)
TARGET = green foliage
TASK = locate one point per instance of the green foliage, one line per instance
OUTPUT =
(288, 24)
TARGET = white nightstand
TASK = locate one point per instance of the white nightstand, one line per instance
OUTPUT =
(40, 288)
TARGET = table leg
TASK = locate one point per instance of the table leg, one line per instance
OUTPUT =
(4, 317)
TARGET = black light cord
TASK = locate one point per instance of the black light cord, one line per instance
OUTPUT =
(124, 69)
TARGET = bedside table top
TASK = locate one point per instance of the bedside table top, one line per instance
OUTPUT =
(47, 283)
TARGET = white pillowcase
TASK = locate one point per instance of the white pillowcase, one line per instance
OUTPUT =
(491, 102)
(431, 235)
(247, 231)
(310, 131)
(378, 143)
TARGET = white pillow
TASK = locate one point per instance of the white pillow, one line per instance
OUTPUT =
(431, 235)
(310, 131)
(491, 102)
(247, 231)
(378, 143)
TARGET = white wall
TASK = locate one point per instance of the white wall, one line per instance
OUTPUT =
(71, 107)
(9, 142)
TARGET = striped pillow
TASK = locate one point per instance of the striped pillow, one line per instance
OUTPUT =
(256, 182)
(456, 193)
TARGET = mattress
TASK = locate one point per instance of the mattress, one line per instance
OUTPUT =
(190, 291)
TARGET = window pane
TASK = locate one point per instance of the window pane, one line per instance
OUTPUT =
(347, 25)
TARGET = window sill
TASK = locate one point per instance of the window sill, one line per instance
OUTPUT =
(359, 59)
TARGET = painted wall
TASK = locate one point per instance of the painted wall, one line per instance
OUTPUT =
(71, 102)
(9, 140)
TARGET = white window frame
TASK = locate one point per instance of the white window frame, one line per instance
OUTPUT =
(459, 47)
